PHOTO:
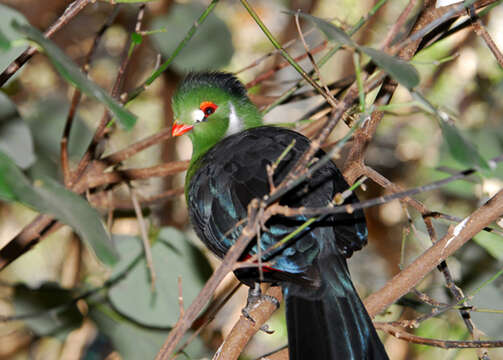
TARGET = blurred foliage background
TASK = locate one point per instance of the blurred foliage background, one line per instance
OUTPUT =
(62, 302)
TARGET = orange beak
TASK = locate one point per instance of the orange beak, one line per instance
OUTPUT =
(180, 129)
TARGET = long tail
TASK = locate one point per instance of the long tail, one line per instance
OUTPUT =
(331, 322)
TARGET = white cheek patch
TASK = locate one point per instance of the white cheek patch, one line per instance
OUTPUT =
(198, 115)
(235, 123)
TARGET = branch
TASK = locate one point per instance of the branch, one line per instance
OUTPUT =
(135, 148)
(32, 233)
(77, 95)
(444, 344)
(92, 180)
(244, 329)
(481, 31)
(216, 278)
(70, 12)
(403, 282)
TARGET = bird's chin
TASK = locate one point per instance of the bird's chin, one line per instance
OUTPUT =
(180, 129)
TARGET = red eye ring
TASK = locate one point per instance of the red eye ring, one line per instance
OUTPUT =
(208, 108)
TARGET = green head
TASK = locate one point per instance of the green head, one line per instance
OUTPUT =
(211, 106)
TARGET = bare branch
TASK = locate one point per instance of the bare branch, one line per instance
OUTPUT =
(70, 12)
(415, 272)
(444, 344)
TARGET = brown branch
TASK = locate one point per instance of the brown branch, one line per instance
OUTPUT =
(442, 267)
(114, 177)
(481, 31)
(270, 73)
(397, 26)
(77, 96)
(26, 239)
(277, 355)
(135, 148)
(144, 237)
(456, 291)
(70, 12)
(415, 272)
(103, 200)
(444, 344)
(32, 233)
(256, 62)
(309, 52)
(244, 329)
(216, 278)
(100, 131)
(354, 164)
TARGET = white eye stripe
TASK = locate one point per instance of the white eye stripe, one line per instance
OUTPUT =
(198, 115)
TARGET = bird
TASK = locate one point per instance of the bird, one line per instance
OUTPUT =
(231, 151)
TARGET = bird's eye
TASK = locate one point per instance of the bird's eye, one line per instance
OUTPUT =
(208, 108)
(198, 115)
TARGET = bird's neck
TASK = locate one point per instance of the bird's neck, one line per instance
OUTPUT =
(239, 116)
(245, 113)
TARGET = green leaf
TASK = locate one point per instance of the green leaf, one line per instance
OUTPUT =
(492, 243)
(402, 71)
(6, 193)
(68, 70)
(173, 256)
(49, 197)
(15, 136)
(211, 47)
(48, 309)
(4, 42)
(9, 35)
(133, 341)
(461, 149)
(47, 121)
(332, 32)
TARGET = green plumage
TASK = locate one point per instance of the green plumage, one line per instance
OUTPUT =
(221, 89)
(326, 319)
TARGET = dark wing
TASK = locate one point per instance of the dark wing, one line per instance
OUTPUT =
(233, 172)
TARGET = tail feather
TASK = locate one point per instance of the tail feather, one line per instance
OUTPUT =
(331, 322)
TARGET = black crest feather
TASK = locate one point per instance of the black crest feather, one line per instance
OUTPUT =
(225, 81)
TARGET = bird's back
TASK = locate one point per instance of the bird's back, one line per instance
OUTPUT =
(233, 173)
(326, 319)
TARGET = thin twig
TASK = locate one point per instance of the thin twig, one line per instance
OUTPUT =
(159, 70)
(32, 233)
(77, 96)
(100, 131)
(286, 55)
(452, 241)
(135, 148)
(180, 296)
(309, 53)
(270, 73)
(444, 344)
(481, 31)
(70, 12)
(144, 237)
(398, 25)
(209, 315)
(225, 267)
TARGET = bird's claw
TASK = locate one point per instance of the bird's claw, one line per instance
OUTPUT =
(255, 298)
(265, 328)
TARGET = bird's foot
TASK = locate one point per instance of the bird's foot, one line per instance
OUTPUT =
(255, 298)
